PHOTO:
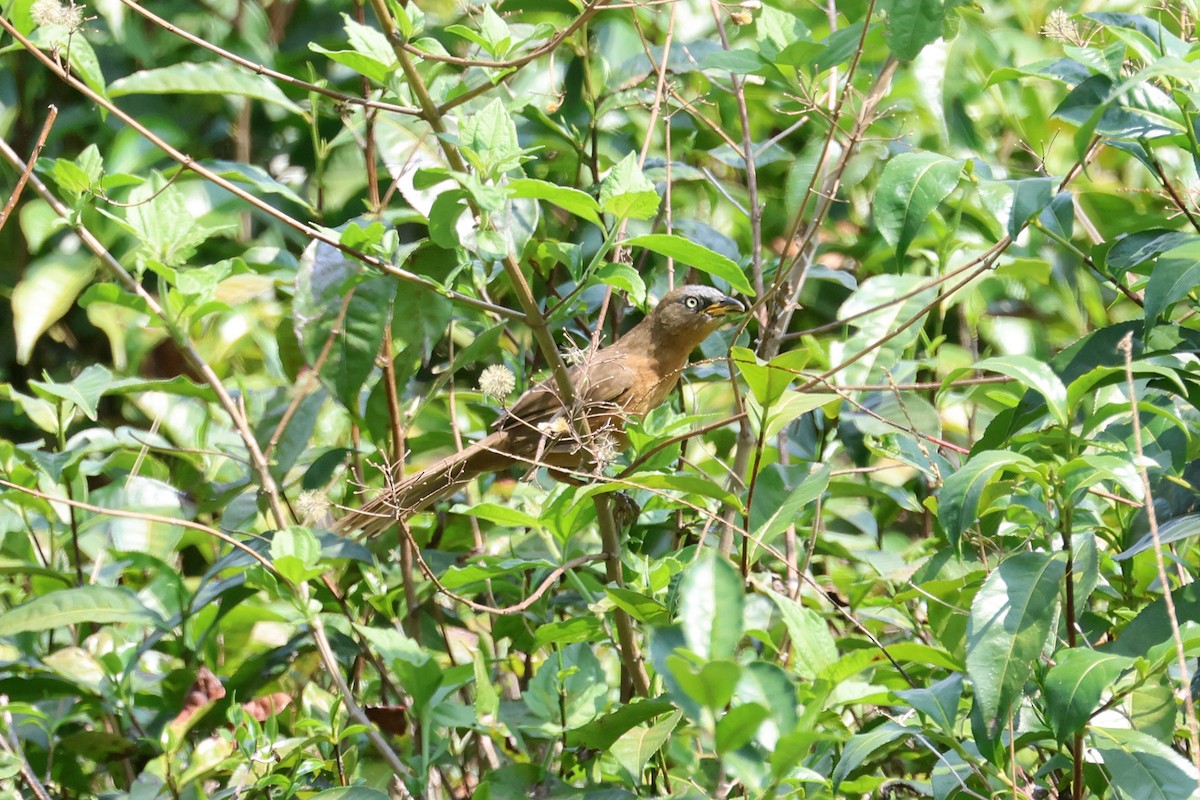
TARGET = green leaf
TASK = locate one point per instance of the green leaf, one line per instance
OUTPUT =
(39, 222)
(487, 699)
(768, 381)
(84, 392)
(1152, 626)
(1137, 248)
(1157, 39)
(711, 599)
(368, 40)
(839, 47)
(813, 646)
(1142, 768)
(1176, 529)
(862, 745)
(602, 732)
(1075, 684)
(296, 554)
(370, 68)
(219, 78)
(911, 25)
(938, 701)
(790, 407)
(779, 516)
(569, 689)
(494, 35)
(581, 204)
(679, 482)
(44, 294)
(133, 535)
(1172, 279)
(659, 482)
(575, 629)
(167, 229)
(768, 685)
(694, 255)
(1153, 709)
(501, 515)
(444, 214)
(489, 138)
(911, 187)
(740, 61)
(712, 685)
(639, 606)
(626, 193)
(350, 357)
(79, 176)
(101, 605)
(625, 278)
(739, 725)
(634, 749)
(1012, 617)
(257, 177)
(1036, 375)
(958, 502)
(350, 793)
(1030, 197)
(77, 48)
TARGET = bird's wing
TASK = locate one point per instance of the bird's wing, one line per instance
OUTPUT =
(603, 385)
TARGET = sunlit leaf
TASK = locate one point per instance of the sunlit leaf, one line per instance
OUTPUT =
(101, 605)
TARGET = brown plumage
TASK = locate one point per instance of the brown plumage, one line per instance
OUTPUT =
(624, 380)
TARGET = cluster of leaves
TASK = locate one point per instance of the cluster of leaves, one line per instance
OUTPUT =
(922, 523)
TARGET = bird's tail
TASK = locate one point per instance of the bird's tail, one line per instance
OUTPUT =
(422, 489)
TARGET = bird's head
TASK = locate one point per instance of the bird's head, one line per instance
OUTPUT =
(691, 313)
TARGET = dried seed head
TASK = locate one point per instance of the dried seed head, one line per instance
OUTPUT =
(1060, 26)
(605, 449)
(52, 12)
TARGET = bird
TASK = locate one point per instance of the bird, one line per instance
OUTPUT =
(612, 384)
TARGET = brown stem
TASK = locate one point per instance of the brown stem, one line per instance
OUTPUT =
(632, 664)
(15, 195)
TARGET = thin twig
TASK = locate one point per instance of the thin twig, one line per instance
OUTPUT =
(260, 69)
(15, 196)
(187, 162)
(146, 517)
(1185, 681)
(548, 46)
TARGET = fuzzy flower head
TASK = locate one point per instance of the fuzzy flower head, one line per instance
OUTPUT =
(312, 507)
(52, 12)
(497, 382)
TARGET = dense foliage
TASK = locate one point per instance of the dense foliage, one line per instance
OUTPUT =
(921, 523)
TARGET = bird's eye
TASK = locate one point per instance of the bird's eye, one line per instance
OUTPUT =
(691, 303)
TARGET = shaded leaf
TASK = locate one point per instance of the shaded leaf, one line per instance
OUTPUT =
(958, 505)
(911, 187)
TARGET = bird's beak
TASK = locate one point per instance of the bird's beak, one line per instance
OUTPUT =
(726, 305)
